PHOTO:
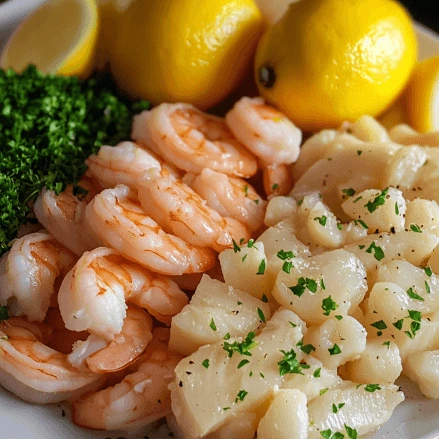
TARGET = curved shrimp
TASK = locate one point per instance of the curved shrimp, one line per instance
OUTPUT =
(230, 196)
(35, 372)
(62, 215)
(180, 210)
(141, 398)
(192, 140)
(265, 131)
(29, 272)
(123, 164)
(116, 217)
(93, 295)
(277, 180)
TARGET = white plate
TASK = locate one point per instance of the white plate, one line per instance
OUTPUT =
(416, 418)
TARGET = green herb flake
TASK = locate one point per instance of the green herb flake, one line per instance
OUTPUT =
(378, 201)
(372, 387)
(396, 208)
(243, 363)
(290, 364)
(264, 298)
(307, 348)
(413, 295)
(212, 325)
(398, 324)
(227, 336)
(243, 348)
(241, 395)
(274, 187)
(349, 192)
(415, 228)
(226, 408)
(205, 363)
(261, 315)
(376, 250)
(362, 224)
(380, 324)
(352, 433)
(236, 247)
(337, 407)
(359, 152)
(328, 305)
(387, 343)
(427, 287)
(338, 317)
(246, 190)
(361, 246)
(323, 391)
(321, 219)
(281, 254)
(326, 434)
(316, 373)
(261, 268)
(251, 243)
(292, 324)
(335, 350)
(302, 285)
(322, 284)
(428, 271)
(300, 202)
(244, 258)
(358, 199)
(287, 266)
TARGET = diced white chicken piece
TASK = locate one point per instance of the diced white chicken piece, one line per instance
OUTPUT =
(337, 341)
(286, 417)
(278, 209)
(377, 210)
(342, 165)
(382, 248)
(391, 312)
(321, 286)
(215, 310)
(422, 215)
(243, 268)
(423, 369)
(379, 363)
(355, 407)
(216, 383)
(420, 285)
(313, 380)
(323, 228)
(404, 168)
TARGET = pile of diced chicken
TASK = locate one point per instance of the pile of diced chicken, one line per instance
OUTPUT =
(318, 317)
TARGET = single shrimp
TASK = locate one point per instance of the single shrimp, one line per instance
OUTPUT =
(93, 295)
(265, 131)
(277, 180)
(30, 273)
(123, 164)
(35, 372)
(230, 196)
(192, 140)
(141, 398)
(62, 215)
(180, 210)
(116, 217)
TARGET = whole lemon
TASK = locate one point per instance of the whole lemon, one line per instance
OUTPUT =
(185, 50)
(326, 61)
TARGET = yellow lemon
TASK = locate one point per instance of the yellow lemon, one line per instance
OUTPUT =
(58, 37)
(185, 50)
(421, 97)
(326, 61)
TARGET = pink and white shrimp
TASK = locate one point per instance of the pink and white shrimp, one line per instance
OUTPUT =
(94, 294)
(141, 398)
(30, 273)
(277, 180)
(192, 140)
(231, 197)
(35, 372)
(180, 210)
(62, 215)
(117, 219)
(265, 131)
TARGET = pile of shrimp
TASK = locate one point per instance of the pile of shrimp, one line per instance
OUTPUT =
(90, 296)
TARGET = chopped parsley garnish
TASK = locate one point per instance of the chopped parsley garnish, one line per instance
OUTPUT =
(227, 336)
(49, 125)
(413, 295)
(264, 298)
(358, 199)
(323, 391)
(349, 192)
(328, 434)
(338, 317)
(322, 284)
(261, 268)
(241, 395)
(287, 266)
(236, 247)
(316, 373)
(359, 152)
(281, 254)
(328, 305)
(378, 201)
(352, 432)
(212, 325)
(387, 343)
(308, 348)
(380, 324)
(274, 187)
(205, 363)
(4, 315)
(362, 224)
(428, 271)
(337, 407)
(396, 208)
(246, 190)
(371, 387)
(321, 219)
(377, 251)
(243, 363)
(398, 324)
(244, 258)
(335, 350)
(415, 228)
(243, 348)
(290, 364)
(251, 243)
(302, 285)
(300, 202)
(261, 315)
(427, 287)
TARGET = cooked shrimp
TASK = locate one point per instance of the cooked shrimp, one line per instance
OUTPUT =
(192, 140)
(93, 295)
(278, 180)
(62, 215)
(35, 372)
(141, 398)
(180, 210)
(116, 217)
(29, 272)
(265, 131)
(122, 164)
(116, 355)
(230, 196)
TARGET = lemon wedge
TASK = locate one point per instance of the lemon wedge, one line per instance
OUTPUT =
(422, 96)
(58, 37)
